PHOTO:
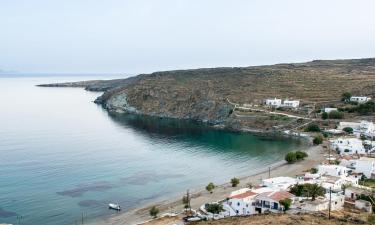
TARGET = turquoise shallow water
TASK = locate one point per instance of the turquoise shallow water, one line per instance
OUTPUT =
(62, 156)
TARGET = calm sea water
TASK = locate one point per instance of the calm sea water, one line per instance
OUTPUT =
(62, 156)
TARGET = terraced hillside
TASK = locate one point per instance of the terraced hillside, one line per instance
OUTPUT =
(202, 94)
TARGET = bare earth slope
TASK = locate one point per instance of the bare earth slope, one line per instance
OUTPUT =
(201, 94)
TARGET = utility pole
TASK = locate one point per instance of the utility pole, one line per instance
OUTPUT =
(269, 172)
(329, 206)
(82, 218)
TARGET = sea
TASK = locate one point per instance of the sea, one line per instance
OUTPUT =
(63, 158)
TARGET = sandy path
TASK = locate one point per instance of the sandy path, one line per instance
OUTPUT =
(221, 192)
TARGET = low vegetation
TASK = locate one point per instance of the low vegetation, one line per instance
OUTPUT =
(333, 115)
(313, 170)
(210, 187)
(371, 219)
(235, 182)
(312, 127)
(362, 109)
(345, 97)
(348, 130)
(286, 203)
(318, 140)
(307, 190)
(214, 208)
(292, 157)
(154, 211)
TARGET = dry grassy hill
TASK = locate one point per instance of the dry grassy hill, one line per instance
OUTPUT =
(201, 94)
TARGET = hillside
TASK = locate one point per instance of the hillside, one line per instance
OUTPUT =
(201, 94)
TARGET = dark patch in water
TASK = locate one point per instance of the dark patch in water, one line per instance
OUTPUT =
(145, 177)
(91, 203)
(6, 214)
(82, 189)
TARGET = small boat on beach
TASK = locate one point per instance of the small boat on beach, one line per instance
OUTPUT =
(114, 206)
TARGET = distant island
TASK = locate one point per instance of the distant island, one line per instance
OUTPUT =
(233, 97)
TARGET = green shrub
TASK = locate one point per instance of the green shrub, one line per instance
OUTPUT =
(154, 211)
(348, 130)
(335, 115)
(346, 96)
(214, 208)
(297, 189)
(318, 140)
(301, 155)
(210, 187)
(313, 170)
(324, 116)
(312, 127)
(235, 181)
(307, 190)
(291, 157)
(286, 203)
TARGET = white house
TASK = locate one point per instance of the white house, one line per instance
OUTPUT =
(352, 193)
(322, 203)
(270, 201)
(348, 146)
(332, 182)
(360, 99)
(290, 103)
(275, 102)
(260, 200)
(279, 183)
(354, 125)
(367, 128)
(366, 166)
(337, 200)
(241, 202)
(333, 170)
(328, 110)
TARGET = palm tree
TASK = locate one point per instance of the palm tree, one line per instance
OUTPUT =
(314, 190)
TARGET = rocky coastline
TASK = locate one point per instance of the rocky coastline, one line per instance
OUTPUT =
(202, 94)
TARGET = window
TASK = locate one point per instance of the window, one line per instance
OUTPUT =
(237, 211)
(238, 203)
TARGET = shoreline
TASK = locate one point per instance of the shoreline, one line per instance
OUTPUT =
(200, 196)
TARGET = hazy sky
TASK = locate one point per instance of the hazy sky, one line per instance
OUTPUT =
(82, 36)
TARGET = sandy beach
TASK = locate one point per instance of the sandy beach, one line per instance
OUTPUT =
(199, 197)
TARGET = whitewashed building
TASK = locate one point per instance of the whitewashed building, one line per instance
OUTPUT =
(328, 110)
(352, 193)
(273, 102)
(241, 202)
(279, 183)
(270, 201)
(254, 201)
(348, 146)
(322, 203)
(360, 99)
(333, 170)
(332, 183)
(290, 103)
(366, 166)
